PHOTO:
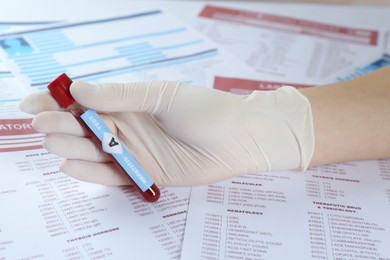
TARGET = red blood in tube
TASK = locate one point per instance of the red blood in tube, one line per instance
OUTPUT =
(59, 89)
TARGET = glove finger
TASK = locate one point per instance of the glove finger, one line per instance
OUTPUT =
(151, 97)
(38, 102)
(101, 173)
(58, 122)
(74, 147)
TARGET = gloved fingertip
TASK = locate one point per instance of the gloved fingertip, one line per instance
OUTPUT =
(26, 105)
(36, 122)
(38, 102)
(66, 168)
(70, 168)
(80, 89)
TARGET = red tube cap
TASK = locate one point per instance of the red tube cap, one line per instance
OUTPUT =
(59, 89)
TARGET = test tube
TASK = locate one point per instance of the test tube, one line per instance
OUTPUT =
(105, 139)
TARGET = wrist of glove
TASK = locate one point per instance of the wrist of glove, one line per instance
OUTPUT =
(181, 135)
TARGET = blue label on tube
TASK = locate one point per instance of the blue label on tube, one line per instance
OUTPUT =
(112, 145)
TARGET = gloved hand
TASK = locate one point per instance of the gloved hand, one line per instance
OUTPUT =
(180, 134)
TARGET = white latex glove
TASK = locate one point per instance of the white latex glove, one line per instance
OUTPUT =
(180, 134)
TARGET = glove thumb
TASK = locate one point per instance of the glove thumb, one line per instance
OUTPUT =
(152, 97)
